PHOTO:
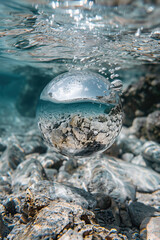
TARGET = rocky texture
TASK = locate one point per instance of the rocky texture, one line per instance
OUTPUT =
(33, 143)
(141, 98)
(151, 152)
(42, 193)
(14, 155)
(124, 2)
(139, 211)
(4, 230)
(46, 195)
(27, 173)
(114, 178)
(51, 160)
(151, 155)
(147, 127)
(130, 145)
(103, 177)
(153, 126)
(150, 228)
(59, 220)
(5, 184)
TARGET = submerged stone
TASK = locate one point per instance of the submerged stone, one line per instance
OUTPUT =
(151, 152)
(27, 173)
(61, 220)
(80, 113)
(42, 193)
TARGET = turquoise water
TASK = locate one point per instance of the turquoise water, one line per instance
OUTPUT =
(41, 39)
(88, 109)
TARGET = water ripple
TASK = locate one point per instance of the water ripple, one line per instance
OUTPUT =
(79, 34)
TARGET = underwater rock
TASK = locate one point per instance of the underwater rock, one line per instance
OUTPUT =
(42, 193)
(105, 183)
(150, 199)
(58, 219)
(139, 211)
(138, 127)
(143, 178)
(155, 34)
(5, 184)
(127, 157)
(135, 97)
(151, 152)
(151, 155)
(100, 175)
(153, 126)
(147, 127)
(113, 2)
(106, 176)
(139, 160)
(14, 155)
(2, 147)
(28, 172)
(130, 144)
(51, 173)
(150, 228)
(33, 144)
(4, 229)
(71, 234)
(51, 160)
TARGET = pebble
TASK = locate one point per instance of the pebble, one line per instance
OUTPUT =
(150, 228)
(150, 199)
(51, 160)
(61, 220)
(139, 211)
(101, 176)
(5, 184)
(71, 234)
(139, 160)
(27, 173)
(14, 155)
(42, 193)
(151, 151)
(130, 144)
(143, 178)
(155, 34)
(127, 157)
(2, 147)
(153, 126)
(4, 229)
(135, 96)
(33, 143)
(138, 127)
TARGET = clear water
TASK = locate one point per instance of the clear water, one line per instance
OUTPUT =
(61, 35)
(42, 38)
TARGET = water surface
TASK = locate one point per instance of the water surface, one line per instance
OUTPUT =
(41, 39)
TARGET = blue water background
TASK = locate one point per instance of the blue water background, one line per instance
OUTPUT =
(41, 39)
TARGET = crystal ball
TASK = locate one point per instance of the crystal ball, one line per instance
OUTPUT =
(79, 113)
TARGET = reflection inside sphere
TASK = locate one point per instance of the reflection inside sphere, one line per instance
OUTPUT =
(79, 113)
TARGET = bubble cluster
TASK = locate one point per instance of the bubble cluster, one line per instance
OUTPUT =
(79, 113)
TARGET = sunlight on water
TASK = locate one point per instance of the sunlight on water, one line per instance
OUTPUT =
(79, 34)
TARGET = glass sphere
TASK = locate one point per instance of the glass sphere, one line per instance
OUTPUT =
(79, 113)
